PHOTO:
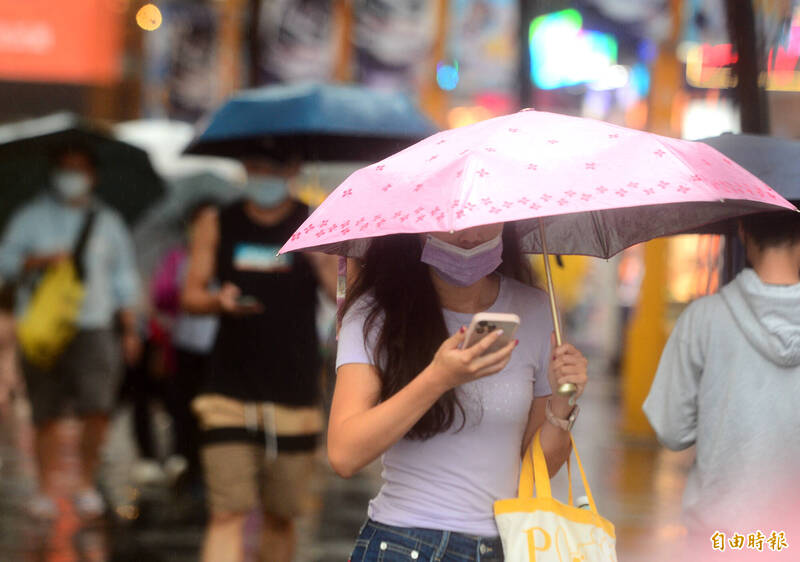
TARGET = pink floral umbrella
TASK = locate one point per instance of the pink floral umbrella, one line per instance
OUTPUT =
(590, 187)
(602, 187)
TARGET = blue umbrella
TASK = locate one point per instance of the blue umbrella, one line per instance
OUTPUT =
(313, 122)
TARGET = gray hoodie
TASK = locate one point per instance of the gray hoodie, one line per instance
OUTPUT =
(729, 382)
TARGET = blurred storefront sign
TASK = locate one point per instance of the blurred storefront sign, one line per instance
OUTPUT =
(296, 40)
(711, 65)
(180, 58)
(75, 42)
(393, 42)
(482, 42)
(565, 54)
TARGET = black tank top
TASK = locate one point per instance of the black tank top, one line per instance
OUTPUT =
(272, 356)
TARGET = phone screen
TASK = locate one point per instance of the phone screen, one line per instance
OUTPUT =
(247, 300)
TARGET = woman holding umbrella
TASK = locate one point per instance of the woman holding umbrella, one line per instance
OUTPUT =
(451, 423)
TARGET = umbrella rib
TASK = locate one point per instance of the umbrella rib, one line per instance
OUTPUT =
(599, 233)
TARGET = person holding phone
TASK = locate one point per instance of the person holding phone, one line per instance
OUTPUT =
(450, 422)
(259, 409)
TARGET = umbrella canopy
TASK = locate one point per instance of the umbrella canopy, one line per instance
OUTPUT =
(775, 161)
(164, 224)
(598, 187)
(125, 177)
(164, 141)
(316, 122)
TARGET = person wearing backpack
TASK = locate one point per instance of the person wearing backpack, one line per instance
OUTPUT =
(68, 223)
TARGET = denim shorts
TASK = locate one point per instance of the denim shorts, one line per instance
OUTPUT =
(378, 542)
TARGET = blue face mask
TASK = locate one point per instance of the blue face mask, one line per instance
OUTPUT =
(267, 191)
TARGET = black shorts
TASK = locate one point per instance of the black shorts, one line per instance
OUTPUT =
(84, 380)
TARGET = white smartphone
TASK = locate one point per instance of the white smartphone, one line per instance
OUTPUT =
(484, 323)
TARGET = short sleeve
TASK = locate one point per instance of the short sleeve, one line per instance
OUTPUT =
(15, 244)
(352, 346)
(125, 277)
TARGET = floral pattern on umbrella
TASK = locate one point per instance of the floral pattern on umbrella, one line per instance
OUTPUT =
(535, 164)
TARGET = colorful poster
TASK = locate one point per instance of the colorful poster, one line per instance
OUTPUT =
(296, 40)
(482, 41)
(70, 42)
(393, 41)
(181, 63)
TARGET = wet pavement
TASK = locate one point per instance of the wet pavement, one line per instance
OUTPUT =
(636, 484)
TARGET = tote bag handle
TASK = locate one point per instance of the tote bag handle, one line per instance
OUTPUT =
(534, 472)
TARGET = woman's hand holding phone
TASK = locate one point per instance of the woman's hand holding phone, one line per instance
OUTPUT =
(232, 302)
(454, 366)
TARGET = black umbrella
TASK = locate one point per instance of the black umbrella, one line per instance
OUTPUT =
(126, 179)
(776, 162)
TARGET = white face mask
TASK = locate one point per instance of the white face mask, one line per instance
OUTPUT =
(71, 185)
(267, 191)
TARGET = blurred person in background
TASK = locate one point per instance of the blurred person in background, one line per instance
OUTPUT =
(86, 376)
(259, 410)
(179, 353)
(728, 382)
(9, 373)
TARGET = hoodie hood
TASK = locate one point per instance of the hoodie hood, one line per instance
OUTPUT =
(768, 315)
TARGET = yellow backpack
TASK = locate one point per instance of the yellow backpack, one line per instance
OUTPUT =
(50, 320)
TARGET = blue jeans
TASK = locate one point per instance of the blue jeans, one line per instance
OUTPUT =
(384, 543)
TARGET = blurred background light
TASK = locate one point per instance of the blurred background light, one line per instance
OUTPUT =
(149, 17)
(565, 54)
(447, 75)
(640, 79)
(613, 77)
(647, 51)
(709, 117)
(467, 115)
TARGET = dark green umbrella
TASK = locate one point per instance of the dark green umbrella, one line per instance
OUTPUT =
(126, 179)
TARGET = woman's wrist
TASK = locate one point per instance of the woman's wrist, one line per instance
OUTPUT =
(432, 377)
(560, 406)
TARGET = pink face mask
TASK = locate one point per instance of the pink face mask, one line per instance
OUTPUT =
(461, 267)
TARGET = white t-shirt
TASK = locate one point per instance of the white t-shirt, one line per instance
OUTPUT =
(451, 481)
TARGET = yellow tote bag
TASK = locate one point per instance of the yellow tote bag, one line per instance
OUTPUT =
(48, 324)
(542, 529)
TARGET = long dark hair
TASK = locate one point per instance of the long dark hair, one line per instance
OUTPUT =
(405, 310)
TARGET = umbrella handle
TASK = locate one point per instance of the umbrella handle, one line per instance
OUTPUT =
(566, 389)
